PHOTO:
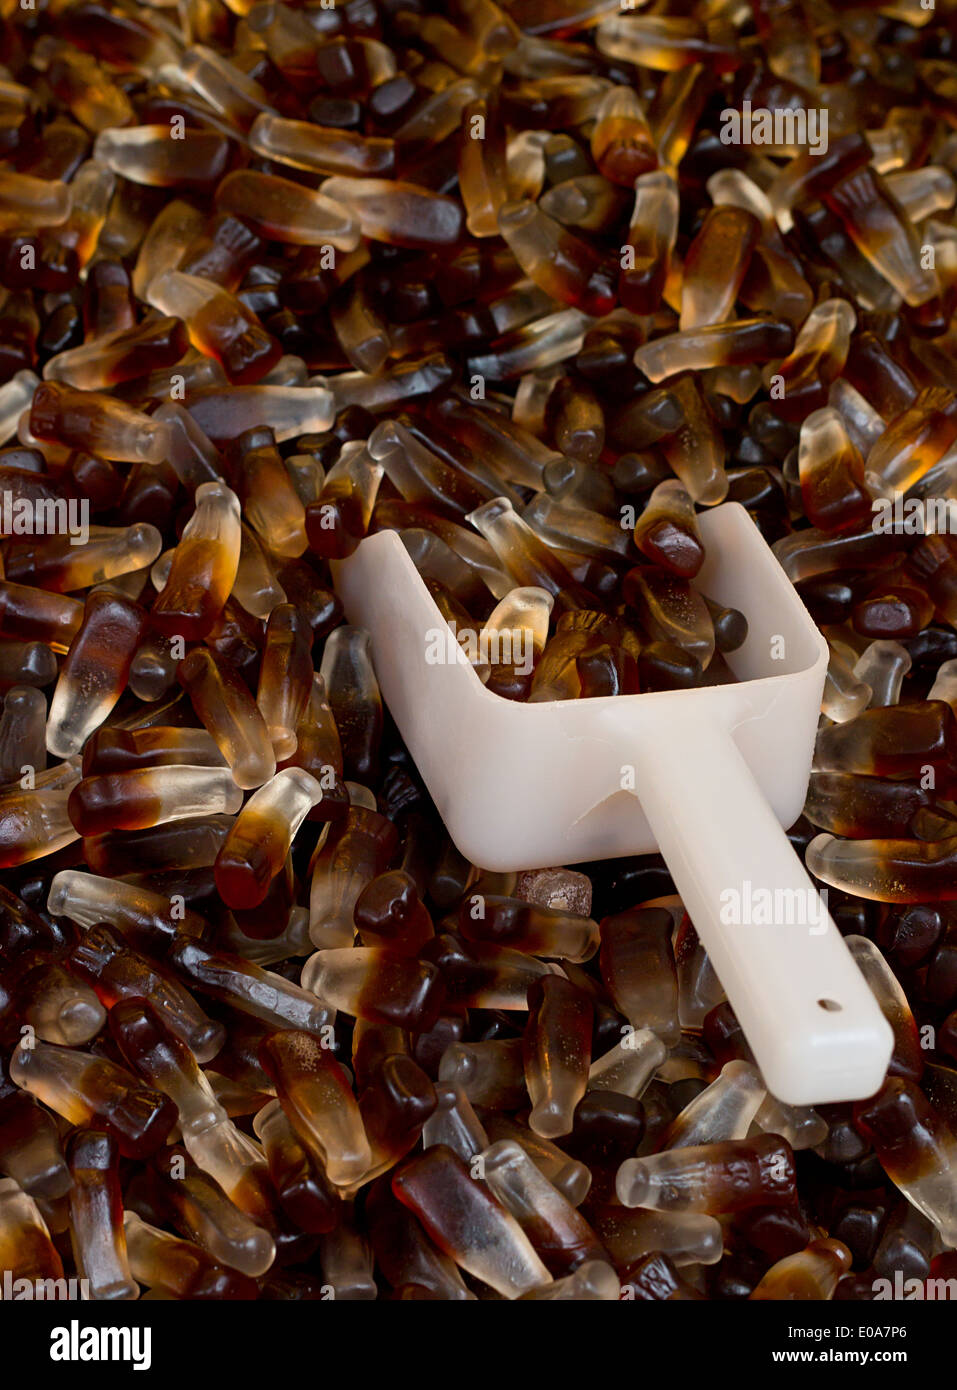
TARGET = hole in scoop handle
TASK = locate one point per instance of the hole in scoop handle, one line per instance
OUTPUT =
(812, 1022)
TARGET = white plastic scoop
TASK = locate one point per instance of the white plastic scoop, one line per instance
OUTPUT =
(717, 771)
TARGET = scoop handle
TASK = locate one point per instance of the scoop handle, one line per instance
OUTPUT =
(813, 1024)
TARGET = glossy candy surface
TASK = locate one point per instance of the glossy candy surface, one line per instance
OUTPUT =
(276, 277)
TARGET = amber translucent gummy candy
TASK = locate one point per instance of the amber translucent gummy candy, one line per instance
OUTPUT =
(224, 704)
(204, 566)
(89, 1090)
(314, 1094)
